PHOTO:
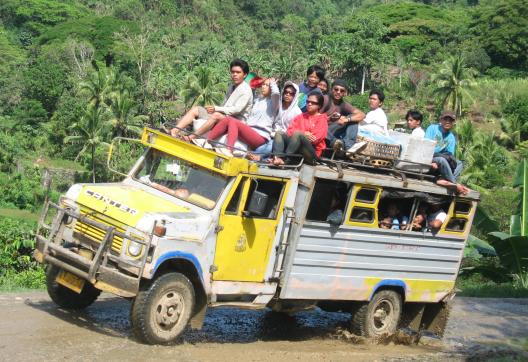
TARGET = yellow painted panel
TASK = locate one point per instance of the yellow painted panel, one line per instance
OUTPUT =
(373, 206)
(244, 244)
(209, 159)
(417, 290)
(124, 203)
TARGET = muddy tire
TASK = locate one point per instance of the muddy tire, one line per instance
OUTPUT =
(65, 297)
(162, 310)
(378, 317)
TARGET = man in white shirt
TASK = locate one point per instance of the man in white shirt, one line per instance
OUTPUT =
(414, 122)
(375, 120)
(436, 217)
(238, 102)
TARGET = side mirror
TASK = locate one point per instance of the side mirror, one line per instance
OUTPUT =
(257, 204)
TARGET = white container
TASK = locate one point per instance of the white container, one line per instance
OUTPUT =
(419, 151)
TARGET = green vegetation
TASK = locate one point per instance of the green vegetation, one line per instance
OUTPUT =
(76, 73)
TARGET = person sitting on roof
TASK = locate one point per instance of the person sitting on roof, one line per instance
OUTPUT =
(314, 75)
(444, 161)
(238, 101)
(257, 130)
(374, 125)
(305, 135)
(343, 118)
(288, 110)
(414, 122)
(323, 86)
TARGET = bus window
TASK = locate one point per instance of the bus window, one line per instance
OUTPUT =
(366, 195)
(456, 224)
(362, 214)
(328, 201)
(462, 207)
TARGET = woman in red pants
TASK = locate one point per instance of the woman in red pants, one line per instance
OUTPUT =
(257, 130)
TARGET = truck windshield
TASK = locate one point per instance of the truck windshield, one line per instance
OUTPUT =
(181, 179)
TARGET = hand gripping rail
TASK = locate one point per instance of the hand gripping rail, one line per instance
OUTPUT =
(97, 270)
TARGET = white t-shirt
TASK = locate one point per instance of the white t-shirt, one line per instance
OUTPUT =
(438, 215)
(375, 121)
(418, 132)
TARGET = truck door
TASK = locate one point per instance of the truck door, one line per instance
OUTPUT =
(245, 239)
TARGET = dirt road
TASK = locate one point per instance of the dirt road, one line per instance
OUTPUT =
(33, 328)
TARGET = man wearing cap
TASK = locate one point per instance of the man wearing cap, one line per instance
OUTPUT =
(342, 116)
(444, 160)
(237, 103)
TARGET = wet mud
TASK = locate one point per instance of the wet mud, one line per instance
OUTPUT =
(33, 328)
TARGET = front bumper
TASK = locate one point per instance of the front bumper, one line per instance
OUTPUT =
(105, 270)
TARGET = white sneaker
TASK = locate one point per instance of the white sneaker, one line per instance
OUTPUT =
(239, 153)
(357, 147)
(224, 151)
(201, 142)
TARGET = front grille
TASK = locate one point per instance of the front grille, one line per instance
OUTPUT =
(96, 234)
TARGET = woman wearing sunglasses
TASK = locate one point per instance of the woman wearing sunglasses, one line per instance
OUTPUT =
(305, 135)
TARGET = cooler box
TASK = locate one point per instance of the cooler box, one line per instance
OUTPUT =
(417, 151)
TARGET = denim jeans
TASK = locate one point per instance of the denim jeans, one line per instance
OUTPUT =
(346, 132)
(264, 150)
(445, 170)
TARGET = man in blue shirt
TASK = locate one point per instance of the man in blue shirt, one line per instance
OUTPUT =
(444, 154)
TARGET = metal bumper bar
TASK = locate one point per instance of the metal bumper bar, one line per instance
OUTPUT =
(96, 270)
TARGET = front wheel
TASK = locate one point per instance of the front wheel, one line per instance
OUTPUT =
(380, 316)
(66, 297)
(161, 312)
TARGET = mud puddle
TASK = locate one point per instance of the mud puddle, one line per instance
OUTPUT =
(33, 328)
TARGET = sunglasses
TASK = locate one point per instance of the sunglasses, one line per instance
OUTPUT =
(339, 90)
(312, 103)
(290, 93)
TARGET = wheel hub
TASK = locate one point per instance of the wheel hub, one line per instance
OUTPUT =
(383, 314)
(169, 310)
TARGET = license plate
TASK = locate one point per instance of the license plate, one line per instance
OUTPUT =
(70, 281)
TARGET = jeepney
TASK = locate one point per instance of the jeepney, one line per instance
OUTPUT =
(189, 229)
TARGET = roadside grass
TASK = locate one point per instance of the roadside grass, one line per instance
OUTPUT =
(489, 289)
(13, 281)
(19, 214)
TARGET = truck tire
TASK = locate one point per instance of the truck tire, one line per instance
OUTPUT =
(162, 310)
(65, 297)
(380, 316)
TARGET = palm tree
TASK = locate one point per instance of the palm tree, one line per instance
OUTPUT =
(91, 132)
(201, 88)
(482, 160)
(124, 119)
(465, 133)
(512, 130)
(97, 87)
(453, 82)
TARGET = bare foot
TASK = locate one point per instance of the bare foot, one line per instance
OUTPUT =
(252, 157)
(461, 189)
(277, 161)
(449, 185)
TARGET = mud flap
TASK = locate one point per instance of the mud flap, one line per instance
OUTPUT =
(412, 316)
(435, 318)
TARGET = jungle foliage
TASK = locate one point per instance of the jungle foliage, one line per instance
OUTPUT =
(76, 73)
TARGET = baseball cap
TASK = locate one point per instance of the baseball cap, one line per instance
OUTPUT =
(448, 114)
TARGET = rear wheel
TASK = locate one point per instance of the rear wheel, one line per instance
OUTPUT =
(66, 297)
(380, 316)
(162, 310)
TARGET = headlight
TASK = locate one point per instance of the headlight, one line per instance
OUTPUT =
(134, 249)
